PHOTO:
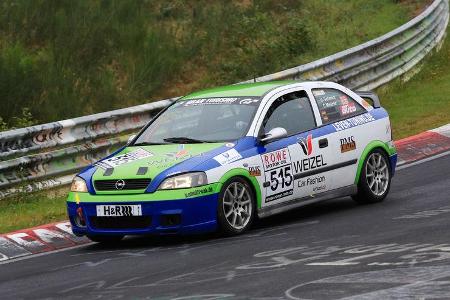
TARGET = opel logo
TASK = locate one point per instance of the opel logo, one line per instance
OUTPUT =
(120, 184)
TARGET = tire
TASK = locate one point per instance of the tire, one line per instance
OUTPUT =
(375, 179)
(106, 239)
(236, 207)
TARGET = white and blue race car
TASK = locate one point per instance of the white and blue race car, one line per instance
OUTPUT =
(218, 158)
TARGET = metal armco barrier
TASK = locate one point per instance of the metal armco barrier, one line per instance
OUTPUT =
(47, 155)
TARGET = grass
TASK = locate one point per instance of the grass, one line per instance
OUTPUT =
(62, 58)
(30, 210)
(423, 102)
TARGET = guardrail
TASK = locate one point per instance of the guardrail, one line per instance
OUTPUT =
(47, 155)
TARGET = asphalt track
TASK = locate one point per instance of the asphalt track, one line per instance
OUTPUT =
(398, 249)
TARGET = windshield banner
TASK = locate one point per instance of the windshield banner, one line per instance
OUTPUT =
(223, 100)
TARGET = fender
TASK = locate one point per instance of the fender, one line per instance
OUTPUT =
(243, 173)
(390, 151)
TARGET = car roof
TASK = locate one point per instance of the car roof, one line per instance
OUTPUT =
(256, 89)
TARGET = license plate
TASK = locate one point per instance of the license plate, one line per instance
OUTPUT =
(118, 210)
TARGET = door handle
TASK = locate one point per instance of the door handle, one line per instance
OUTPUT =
(323, 143)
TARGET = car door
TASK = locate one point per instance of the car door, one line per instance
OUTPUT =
(286, 160)
(345, 139)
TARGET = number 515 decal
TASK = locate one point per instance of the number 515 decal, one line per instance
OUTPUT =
(279, 181)
(281, 176)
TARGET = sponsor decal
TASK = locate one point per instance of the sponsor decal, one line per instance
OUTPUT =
(329, 104)
(318, 92)
(278, 174)
(352, 122)
(248, 101)
(276, 159)
(124, 158)
(169, 158)
(206, 101)
(306, 144)
(348, 144)
(347, 109)
(181, 152)
(318, 183)
(279, 195)
(167, 161)
(319, 188)
(228, 157)
(328, 101)
(223, 100)
(309, 163)
(198, 192)
(254, 171)
(344, 99)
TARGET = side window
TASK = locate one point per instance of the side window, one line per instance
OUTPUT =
(335, 105)
(292, 112)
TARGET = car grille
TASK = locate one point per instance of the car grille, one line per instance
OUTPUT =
(128, 184)
(136, 222)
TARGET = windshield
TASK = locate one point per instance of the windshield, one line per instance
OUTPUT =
(202, 120)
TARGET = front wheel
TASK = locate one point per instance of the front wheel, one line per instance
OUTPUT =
(375, 180)
(236, 207)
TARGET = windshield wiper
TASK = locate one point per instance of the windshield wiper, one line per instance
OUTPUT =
(147, 144)
(184, 140)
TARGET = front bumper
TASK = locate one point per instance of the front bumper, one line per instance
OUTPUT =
(188, 216)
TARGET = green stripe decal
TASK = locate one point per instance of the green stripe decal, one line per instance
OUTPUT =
(160, 195)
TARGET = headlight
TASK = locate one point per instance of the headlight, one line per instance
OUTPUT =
(184, 181)
(78, 185)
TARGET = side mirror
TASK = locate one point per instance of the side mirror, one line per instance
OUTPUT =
(131, 138)
(273, 135)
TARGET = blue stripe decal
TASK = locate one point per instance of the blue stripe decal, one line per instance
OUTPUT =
(89, 171)
(188, 165)
(248, 147)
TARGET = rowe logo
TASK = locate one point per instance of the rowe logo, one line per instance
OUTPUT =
(120, 184)
(306, 144)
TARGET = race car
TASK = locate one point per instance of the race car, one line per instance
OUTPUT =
(219, 158)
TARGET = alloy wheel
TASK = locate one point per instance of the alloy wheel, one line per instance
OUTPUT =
(377, 174)
(237, 205)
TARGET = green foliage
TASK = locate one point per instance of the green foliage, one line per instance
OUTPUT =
(3, 125)
(64, 58)
(25, 120)
(422, 102)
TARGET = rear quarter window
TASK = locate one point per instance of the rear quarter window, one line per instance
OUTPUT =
(335, 105)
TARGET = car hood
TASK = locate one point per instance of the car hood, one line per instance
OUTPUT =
(148, 161)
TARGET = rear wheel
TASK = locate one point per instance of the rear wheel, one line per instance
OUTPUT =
(375, 179)
(236, 207)
(106, 239)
